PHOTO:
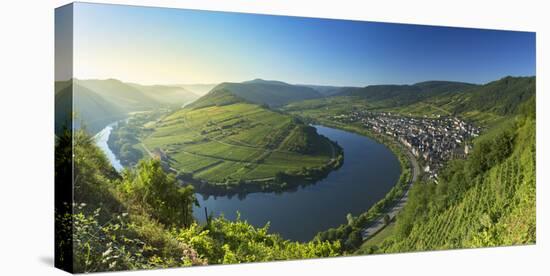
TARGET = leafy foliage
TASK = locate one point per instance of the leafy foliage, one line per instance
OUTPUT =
(223, 241)
(143, 219)
(168, 203)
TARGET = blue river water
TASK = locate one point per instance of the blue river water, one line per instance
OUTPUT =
(369, 171)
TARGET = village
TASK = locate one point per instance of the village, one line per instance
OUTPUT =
(432, 140)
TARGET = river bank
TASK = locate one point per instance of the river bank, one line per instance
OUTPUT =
(367, 224)
(281, 182)
(296, 213)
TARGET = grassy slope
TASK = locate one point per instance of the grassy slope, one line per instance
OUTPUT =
(272, 93)
(220, 138)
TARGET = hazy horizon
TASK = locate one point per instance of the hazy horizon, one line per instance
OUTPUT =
(299, 83)
(164, 46)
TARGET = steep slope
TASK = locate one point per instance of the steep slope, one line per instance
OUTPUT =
(501, 97)
(124, 96)
(90, 108)
(487, 200)
(271, 93)
(216, 97)
(100, 102)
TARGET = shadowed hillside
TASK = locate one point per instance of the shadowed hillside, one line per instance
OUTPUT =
(271, 93)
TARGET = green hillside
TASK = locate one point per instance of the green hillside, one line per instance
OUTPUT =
(271, 93)
(485, 200)
(130, 97)
(405, 99)
(233, 144)
(167, 95)
(327, 90)
(88, 107)
(217, 97)
(485, 104)
(397, 95)
(126, 97)
(97, 103)
(198, 89)
(142, 219)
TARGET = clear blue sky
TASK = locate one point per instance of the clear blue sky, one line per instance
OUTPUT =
(159, 45)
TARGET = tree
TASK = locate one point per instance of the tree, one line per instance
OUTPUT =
(354, 239)
(168, 202)
(350, 219)
(386, 219)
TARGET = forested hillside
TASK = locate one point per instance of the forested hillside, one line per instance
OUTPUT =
(398, 95)
(483, 104)
(501, 97)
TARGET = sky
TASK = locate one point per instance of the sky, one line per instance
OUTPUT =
(174, 46)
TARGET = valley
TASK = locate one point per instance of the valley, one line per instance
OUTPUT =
(187, 137)
(292, 156)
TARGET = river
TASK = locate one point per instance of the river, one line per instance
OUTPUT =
(369, 171)
(101, 139)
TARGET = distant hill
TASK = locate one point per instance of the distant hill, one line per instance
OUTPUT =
(486, 104)
(326, 90)
(99, 102)
(199, 89)
(125, 96)
(167, 95)
(88, 107)
(271, 93)
(396, 95)
(501, 97)
(136, 97)
(217, 97)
